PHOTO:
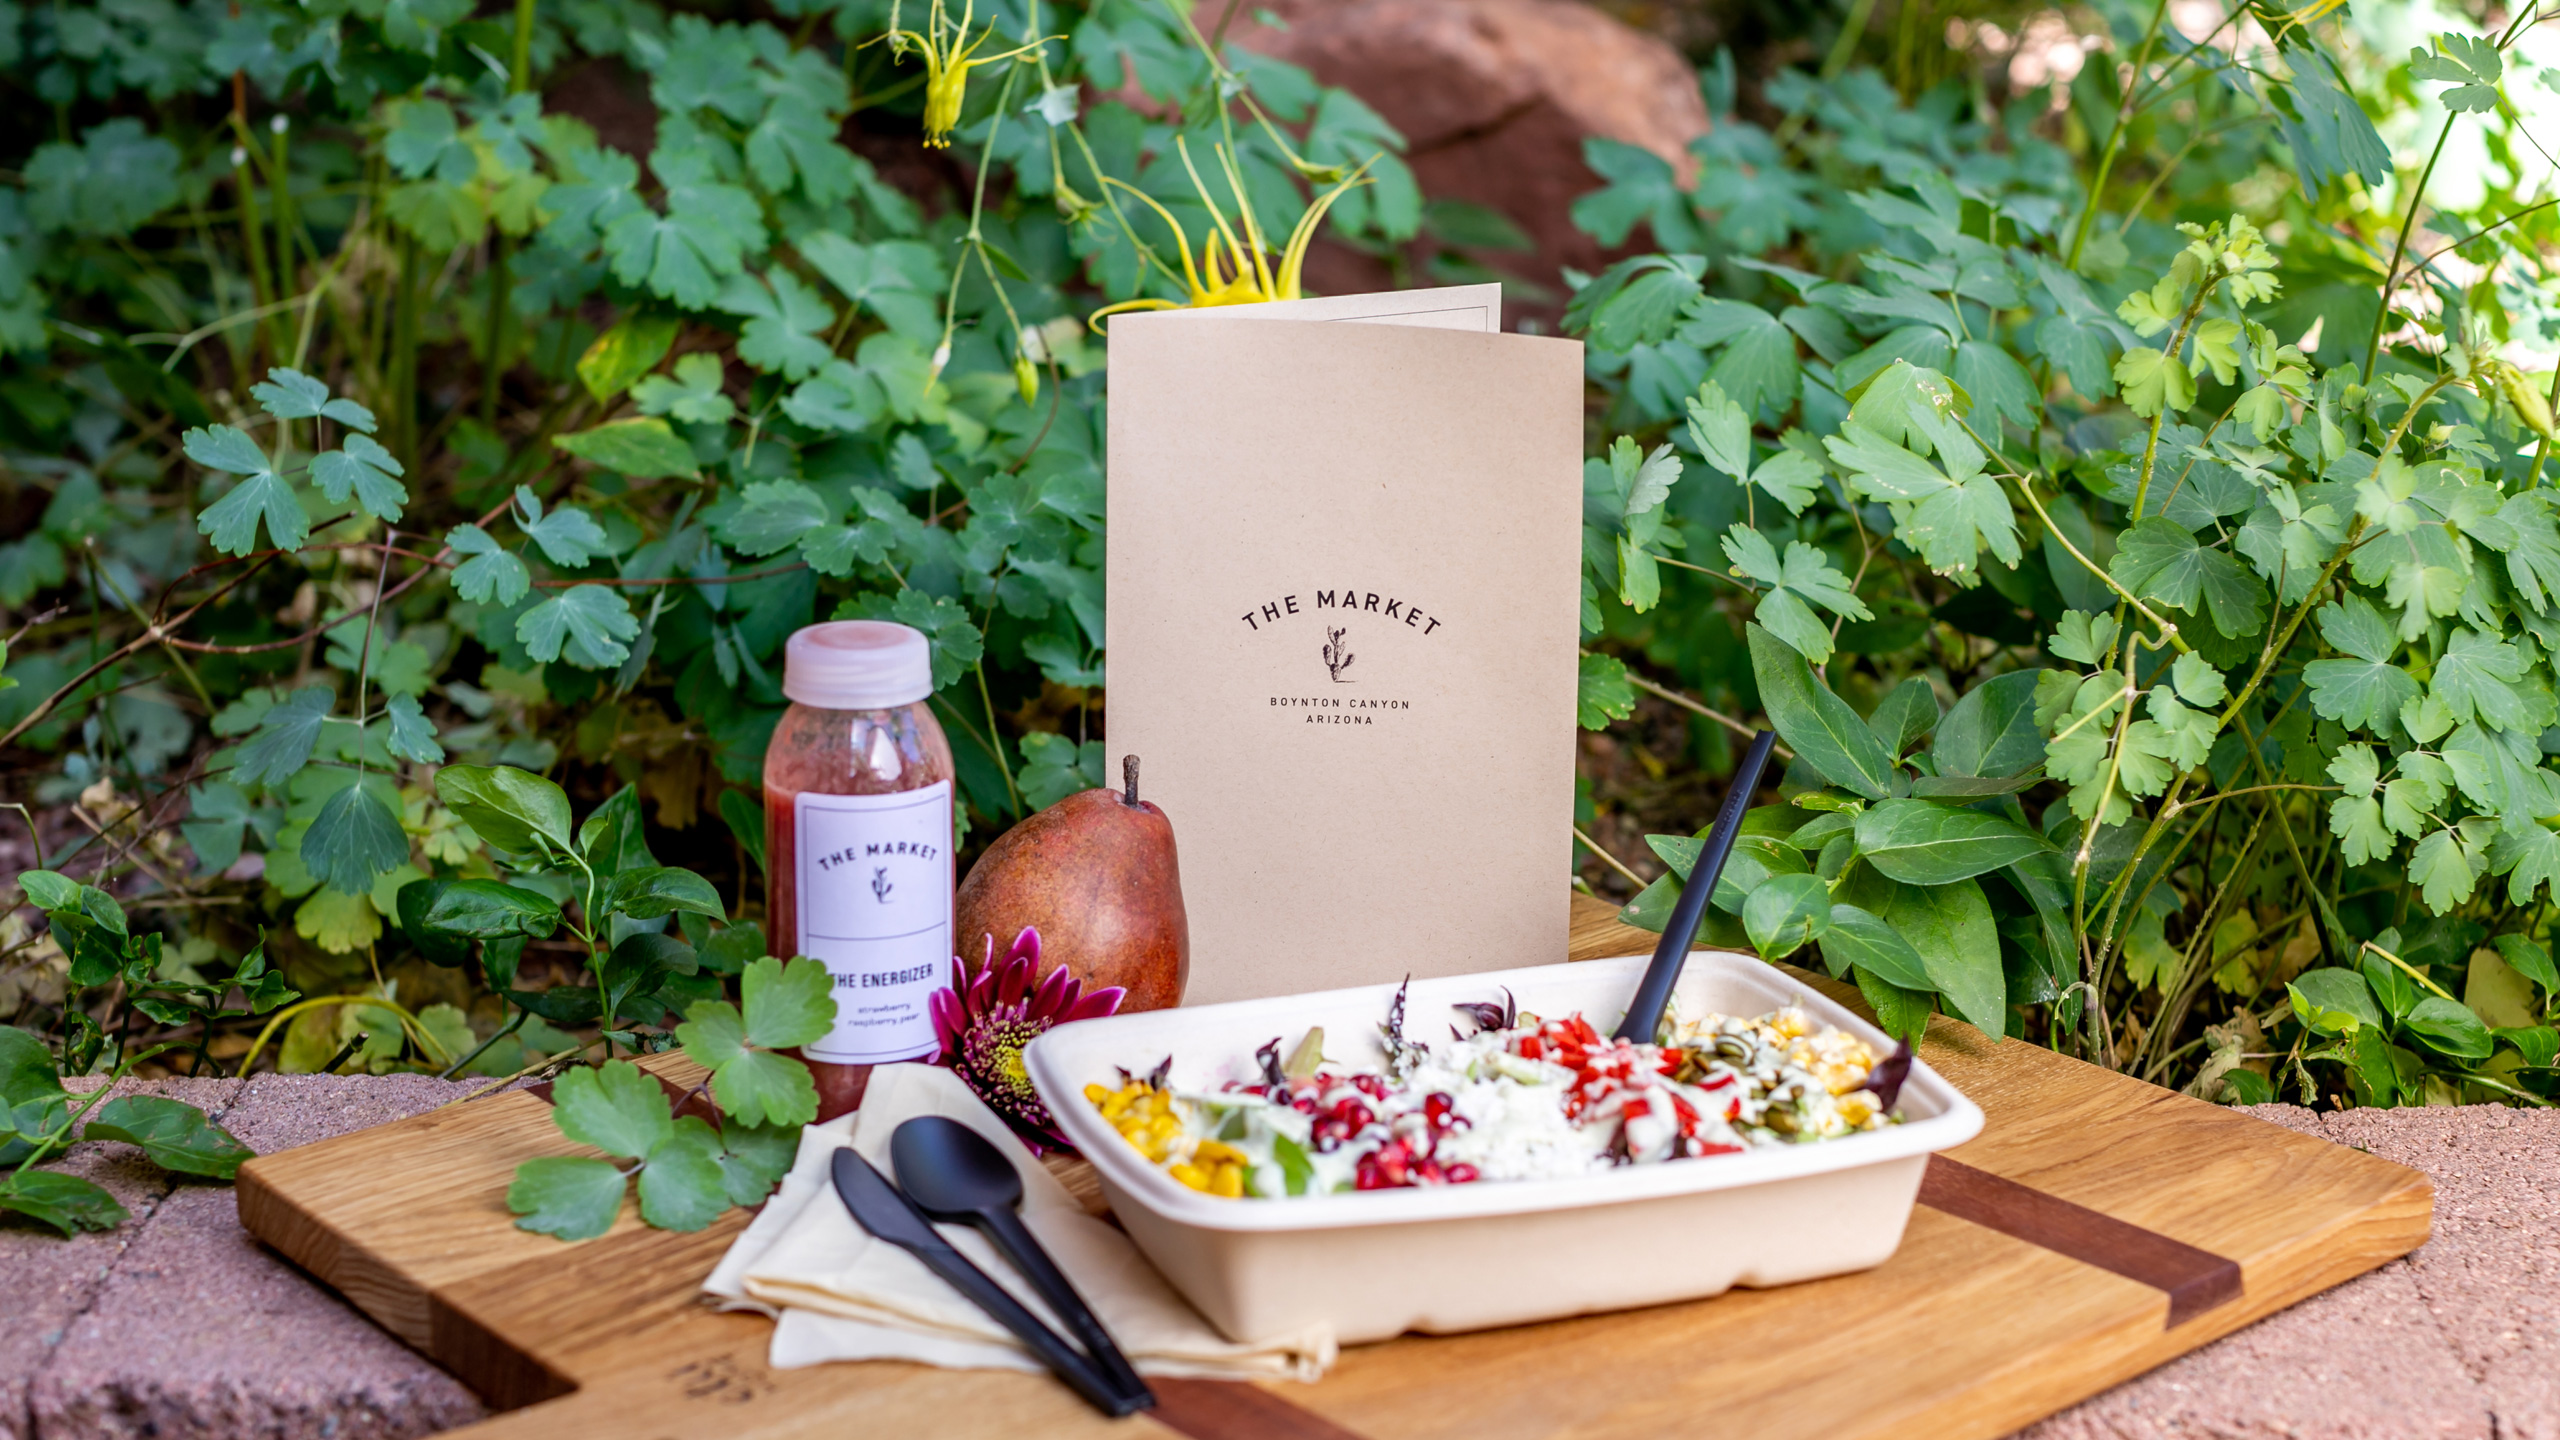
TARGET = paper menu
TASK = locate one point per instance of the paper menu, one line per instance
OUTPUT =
(1344, 593)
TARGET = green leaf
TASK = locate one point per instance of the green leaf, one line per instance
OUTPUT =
(652, 891)
(1805, 575)
(786, 317)
(773, 515)
(2158, 560)
(366, 470)
(1947, 514)
(631, 349)
(713, 1034)
(1818, 725)
(1900, 1012)
(176, 1136)
(1758, 364)
(573, 1197)
(2470, 62)
(618, 1108)
(644, 449)
(1721, 432)
(48, 890)
(1951, 927)
(2198, 683)
(413, 735)
(492, 576)
(567, 535)
(2522, 955)
(2443, 869)
(704, 237)
(683, 1187)
(1991, 730)
(488, 910)
(262, 494)
(65, 1202)
(754, 1158)
(1055, 767)
(2153, 382)
(2322, 123)
(2477, 674)
(26, 1070)
(763, 1088)
(2536, 1045)
(1867, 942)
(787, 1005)
(1909, 712)
(354, 838)
(897, 280)
(1919, 843)
(1786, 913)
(2449, 1027)
(695, 396)
(2366, 691)
(1602, 693)
(589, 625)
(507, 807)
(291, 395)
(2332, 1001)
(2084, 637)
(118, 176)
(612, 838)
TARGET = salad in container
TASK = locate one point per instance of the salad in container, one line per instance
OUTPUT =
(1474, 1151)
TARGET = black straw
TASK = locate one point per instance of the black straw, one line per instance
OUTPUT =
(1653, 993)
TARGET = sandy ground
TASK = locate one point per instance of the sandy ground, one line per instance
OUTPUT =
(179, 1325)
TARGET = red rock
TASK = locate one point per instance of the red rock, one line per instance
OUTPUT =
(1494, 98)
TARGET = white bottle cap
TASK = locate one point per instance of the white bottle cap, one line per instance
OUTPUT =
(857, 665)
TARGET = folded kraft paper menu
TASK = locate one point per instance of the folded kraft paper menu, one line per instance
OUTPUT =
(1345, 591)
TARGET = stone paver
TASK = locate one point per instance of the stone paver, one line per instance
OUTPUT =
(2462, 1338)
(179, 1325)
(50, 1281)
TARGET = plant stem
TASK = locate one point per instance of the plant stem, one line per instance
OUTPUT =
(252, 231)
(1612, 861)
(2115, 137)
(404, 354)
(2400, 247)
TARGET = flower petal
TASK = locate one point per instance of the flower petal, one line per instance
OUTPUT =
(1099, 1003)
(1045, 1001)
(1026, 944)
(1016, 979)
(948, 1020)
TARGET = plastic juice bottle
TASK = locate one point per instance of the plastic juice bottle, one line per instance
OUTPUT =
(857, 825)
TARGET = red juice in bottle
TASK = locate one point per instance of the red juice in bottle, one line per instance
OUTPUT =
(858, 865)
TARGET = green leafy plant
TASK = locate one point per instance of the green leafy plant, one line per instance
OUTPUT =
(688, 1170)
(2198, 637)
(38, 1118)
(368, 417)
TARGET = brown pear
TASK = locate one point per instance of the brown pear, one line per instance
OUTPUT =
(1095, 874)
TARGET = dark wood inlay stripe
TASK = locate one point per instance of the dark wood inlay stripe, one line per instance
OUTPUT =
(1225, 1410)
(2195, 1280)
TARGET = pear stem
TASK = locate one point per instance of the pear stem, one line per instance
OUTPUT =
(1129, 773)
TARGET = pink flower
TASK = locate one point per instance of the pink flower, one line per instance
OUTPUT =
(984, 1022)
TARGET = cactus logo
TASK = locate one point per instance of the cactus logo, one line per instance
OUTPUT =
(1337, 655)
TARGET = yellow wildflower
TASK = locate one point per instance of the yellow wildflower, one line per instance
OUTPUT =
(949, 55)
(1234, 268)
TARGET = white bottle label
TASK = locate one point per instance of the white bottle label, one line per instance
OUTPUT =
(874, 891)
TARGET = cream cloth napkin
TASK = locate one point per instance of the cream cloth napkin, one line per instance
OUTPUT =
(838, 1294)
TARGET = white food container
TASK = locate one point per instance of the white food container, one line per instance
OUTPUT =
(1464, 1257)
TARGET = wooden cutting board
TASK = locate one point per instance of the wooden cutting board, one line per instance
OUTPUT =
(2097, 1227)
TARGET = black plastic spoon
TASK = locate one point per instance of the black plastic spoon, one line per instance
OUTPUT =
(1653, 993)
(955, 1175)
